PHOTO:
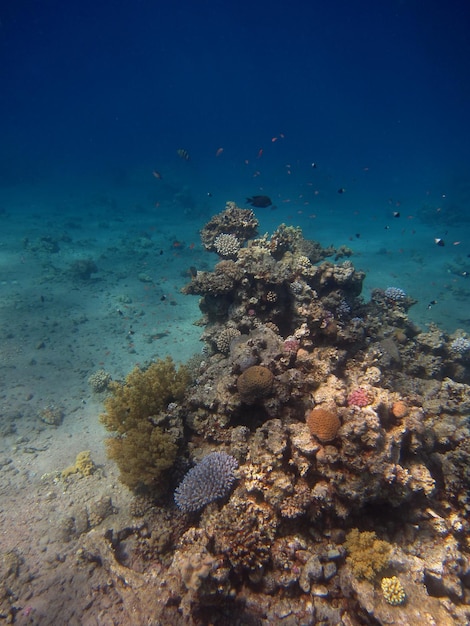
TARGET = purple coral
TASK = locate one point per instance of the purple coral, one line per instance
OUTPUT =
(211, 479)
(395, 294)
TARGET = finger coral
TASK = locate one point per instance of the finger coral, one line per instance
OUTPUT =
(393, 591)
(209, 480)
(142, 450)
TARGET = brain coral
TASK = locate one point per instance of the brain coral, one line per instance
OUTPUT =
(254, 383)
(207, 481)
(323, 424)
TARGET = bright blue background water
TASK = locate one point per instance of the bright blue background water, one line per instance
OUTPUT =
(112, 85)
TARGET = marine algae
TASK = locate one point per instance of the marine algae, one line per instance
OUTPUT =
(142, 450)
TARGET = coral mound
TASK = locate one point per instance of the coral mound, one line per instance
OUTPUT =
(255, 383)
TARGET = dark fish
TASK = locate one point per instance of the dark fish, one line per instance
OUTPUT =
(396, 214)
(183, 154)
(341, 190)
(439, 242)
(261, 202)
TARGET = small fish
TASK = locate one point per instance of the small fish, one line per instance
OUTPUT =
(341, 190)
(313, 165)
(260, 153)
(439, 242)
(432, 303)
(260, 202)
(183, 154)
(396, 214)
(219, 152)
(157, 175)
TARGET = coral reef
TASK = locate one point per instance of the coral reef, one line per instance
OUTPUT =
(349, 425)
(144, 444)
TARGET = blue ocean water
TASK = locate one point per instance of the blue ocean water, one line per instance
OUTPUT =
(95, 96)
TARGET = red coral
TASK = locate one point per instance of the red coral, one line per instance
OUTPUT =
(359, 397)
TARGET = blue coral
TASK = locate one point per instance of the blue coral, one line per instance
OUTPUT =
(395, 293)
(207, 481)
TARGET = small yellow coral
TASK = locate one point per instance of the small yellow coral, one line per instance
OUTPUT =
(367, 554)
(393, 591)
(83, 465)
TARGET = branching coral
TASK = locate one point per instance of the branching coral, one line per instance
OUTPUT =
(142, 450)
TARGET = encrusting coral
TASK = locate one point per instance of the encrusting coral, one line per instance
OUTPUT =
(83, 465)
(142, 449)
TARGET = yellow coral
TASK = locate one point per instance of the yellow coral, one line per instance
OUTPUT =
(142, 450)
(367, 555)
(83, 465)
(393, 591)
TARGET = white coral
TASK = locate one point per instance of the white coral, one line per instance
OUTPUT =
(227, 245)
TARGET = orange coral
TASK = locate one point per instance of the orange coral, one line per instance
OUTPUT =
(324, 424)
(254, 383)
(400, 409)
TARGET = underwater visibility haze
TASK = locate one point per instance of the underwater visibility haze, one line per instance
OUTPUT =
(235, 313)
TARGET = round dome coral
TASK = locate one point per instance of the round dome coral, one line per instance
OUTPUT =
(254, 383)
(324, 424)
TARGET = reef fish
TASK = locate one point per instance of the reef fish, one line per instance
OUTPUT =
(183, 154)
(261, 202)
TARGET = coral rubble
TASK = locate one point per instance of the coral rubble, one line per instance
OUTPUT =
(350, 428)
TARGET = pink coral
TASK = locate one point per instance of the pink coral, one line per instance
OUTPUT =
(359, 397)
(291, 344)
